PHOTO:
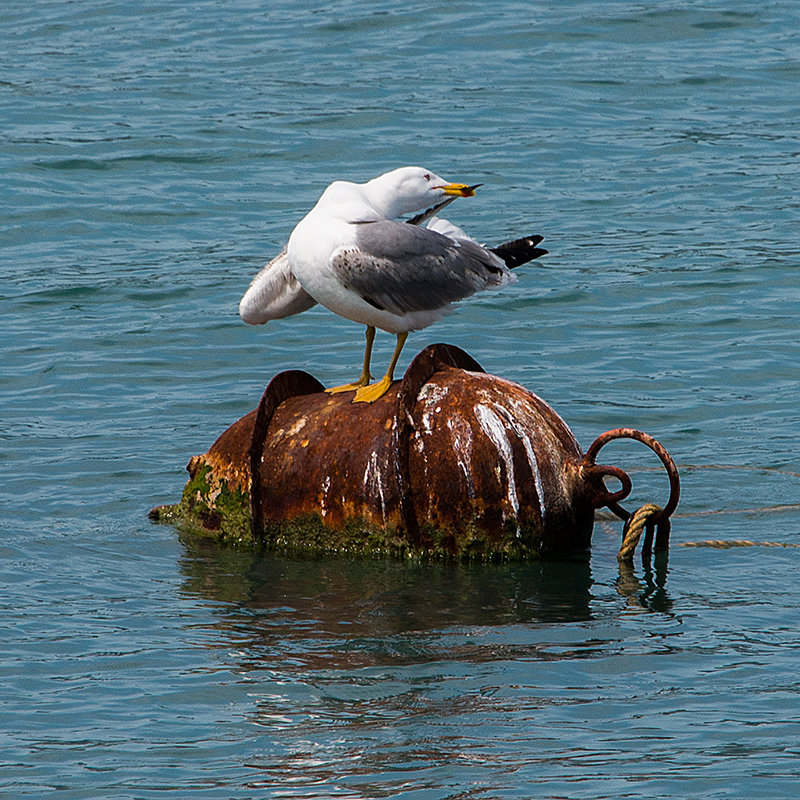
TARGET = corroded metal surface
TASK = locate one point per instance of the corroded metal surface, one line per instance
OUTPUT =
(486, 450)
(449, 462)
(224, 457)
(285, 386)
(323, 454)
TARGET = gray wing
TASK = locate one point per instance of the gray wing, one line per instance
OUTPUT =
(403, 268)
(274, 293)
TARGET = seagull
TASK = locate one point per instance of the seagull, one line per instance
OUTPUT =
(353, 255)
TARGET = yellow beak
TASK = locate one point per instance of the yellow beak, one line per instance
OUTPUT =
(459, 189)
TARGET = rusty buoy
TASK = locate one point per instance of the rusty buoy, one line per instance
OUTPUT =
(451, 462)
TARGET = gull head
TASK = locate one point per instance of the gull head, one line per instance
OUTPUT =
(410, 189)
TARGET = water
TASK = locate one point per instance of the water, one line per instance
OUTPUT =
(154, 155)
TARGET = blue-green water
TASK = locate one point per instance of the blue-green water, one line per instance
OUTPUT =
(154, 155)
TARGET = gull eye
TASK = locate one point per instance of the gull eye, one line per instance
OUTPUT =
(427, 176)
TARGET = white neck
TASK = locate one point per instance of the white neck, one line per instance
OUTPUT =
(382, 195)
(350, 202)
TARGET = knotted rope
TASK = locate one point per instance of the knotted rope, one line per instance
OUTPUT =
(648, 520)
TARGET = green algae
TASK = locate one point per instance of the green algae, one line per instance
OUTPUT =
(473, 543)
(358, 537)
(211, 509)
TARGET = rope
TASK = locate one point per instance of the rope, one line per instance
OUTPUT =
(723, 544)
(643, 520)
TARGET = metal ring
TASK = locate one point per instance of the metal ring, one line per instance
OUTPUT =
(595, 474)
(659, 450)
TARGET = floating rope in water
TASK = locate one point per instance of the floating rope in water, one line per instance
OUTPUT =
(724, 544)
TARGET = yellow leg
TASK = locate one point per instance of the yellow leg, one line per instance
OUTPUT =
(365, 376)
(369, 394)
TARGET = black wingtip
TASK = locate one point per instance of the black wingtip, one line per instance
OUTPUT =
(520, 251)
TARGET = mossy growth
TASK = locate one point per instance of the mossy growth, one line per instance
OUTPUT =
(473, 543)
(360, 538)
(209, 507)
(357, 538)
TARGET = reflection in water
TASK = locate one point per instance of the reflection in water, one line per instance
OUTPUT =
(335, 613)
(648, 592)
(383, 670)
(386, 597)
